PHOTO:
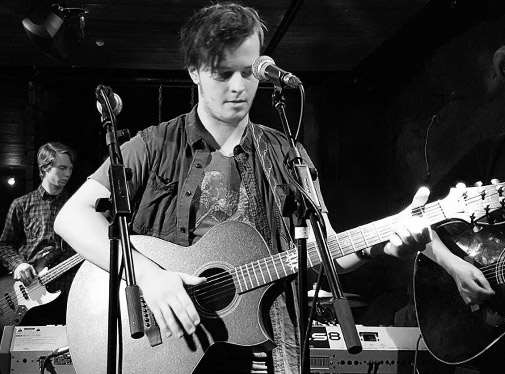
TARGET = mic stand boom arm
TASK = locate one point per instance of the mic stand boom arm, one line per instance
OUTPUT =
(119, 206)
(304, 178)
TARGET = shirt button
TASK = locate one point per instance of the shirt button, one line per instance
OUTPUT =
(198, 165)
(183, 229)
(188, 193)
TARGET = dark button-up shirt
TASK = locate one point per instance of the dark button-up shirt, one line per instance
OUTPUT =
(168, 163)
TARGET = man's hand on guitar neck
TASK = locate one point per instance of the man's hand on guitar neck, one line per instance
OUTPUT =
(25, 273)
(165, 294)
(412, 233)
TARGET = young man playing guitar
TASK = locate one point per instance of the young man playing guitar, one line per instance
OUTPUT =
(201, 169)
(28, 239)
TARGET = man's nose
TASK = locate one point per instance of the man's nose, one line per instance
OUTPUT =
(237, 83)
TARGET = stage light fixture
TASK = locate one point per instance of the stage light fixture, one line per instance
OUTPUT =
(43, 36)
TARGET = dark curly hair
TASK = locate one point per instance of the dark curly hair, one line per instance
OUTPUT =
(214, 29)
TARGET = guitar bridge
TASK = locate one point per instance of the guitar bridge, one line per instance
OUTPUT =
(151, 328)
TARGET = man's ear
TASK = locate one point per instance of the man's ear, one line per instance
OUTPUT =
(193, 73)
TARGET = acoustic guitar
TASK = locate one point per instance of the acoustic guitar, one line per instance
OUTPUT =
(241, 278)
(456, 333)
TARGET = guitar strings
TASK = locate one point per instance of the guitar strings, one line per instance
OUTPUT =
(42, 280)
(207, 291)
(229, 281)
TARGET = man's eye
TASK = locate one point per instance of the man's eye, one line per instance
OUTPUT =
(224, 75)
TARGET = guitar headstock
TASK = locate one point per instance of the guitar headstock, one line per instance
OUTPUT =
(472, 204)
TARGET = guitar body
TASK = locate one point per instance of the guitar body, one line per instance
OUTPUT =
(454, 332)
(235, 260)
(17, 300)
(236, 319)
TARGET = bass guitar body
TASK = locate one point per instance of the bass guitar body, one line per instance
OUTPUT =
(454, 332)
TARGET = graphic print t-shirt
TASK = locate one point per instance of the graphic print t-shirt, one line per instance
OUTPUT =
(221, 196)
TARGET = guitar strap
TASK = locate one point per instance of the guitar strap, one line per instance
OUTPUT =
(263, 153)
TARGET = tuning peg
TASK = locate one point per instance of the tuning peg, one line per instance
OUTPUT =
(460, 186)
(478, 184)
(495, 181)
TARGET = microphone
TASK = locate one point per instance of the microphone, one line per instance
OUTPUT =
(115, 101)
(264, 69)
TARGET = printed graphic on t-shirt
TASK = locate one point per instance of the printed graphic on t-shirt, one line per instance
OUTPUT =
(221, 196)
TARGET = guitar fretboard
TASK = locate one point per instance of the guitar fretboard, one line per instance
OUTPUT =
(61, 268)
(270, 269)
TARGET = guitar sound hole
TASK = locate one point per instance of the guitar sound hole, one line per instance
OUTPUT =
(217, 293)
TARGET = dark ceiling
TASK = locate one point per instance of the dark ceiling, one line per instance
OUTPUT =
(304, 36)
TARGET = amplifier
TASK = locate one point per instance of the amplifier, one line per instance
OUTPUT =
(23, 349)
(385, 350)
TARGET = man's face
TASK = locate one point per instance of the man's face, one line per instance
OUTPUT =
(227, 94)
(59, 174)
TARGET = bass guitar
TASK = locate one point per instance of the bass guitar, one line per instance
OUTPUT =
(16, 299)
(241, 275)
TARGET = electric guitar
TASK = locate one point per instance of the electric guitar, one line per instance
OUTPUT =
(454, 332)
(241, 277)
(16, 299)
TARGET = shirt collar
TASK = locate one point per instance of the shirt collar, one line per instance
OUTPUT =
(46, 196)
(195, 133)
(194, 129)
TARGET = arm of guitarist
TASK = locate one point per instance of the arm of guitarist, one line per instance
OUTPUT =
(472, 285)
(10, 241)
(410, 235)
(87, 232)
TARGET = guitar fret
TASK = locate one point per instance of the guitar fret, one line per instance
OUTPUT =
(261, 271)
(377, 232)
(370, 234)
(254, 272)
(350, 239)
(249, 276)
(357, 239)
(238, 280)
(275, 268)
(268, 270)
(344, 243)
(243, 276)
(283, 267)
(339, 247)
(364, 238)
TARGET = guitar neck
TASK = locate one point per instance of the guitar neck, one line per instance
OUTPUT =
(60, 269)
(282, 265)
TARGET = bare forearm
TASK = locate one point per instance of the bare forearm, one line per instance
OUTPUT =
(86, 230)
(439, 253)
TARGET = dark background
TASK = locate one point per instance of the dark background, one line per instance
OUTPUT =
(397, 93)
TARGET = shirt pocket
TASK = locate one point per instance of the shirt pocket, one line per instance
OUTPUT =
(33, 228)
(156, 210)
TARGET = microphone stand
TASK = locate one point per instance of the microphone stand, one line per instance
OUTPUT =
(309, 203)
(119, 207)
